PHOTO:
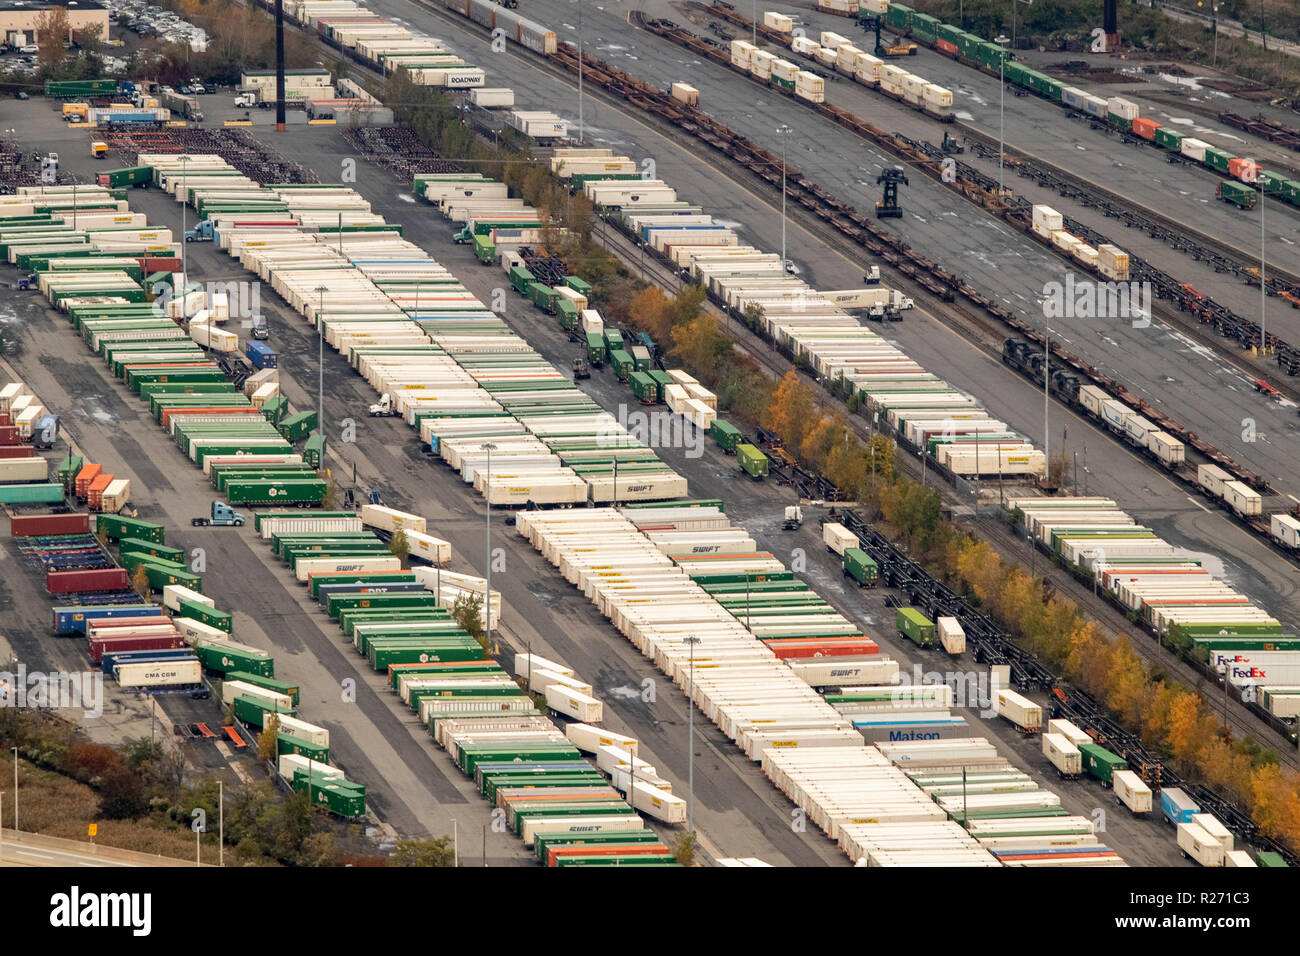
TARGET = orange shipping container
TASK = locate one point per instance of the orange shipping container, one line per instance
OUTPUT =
(616, 849)
(220, 410)
(788, 648)
(95, 492)
(1244, 169)
(89, 472)
(1146, 128)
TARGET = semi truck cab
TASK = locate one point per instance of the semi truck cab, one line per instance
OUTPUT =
(383, 408)
(200, 233)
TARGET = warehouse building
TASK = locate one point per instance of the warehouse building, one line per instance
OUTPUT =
(19, 19)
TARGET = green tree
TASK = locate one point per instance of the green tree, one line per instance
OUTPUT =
(268, 741)
(684, 847)
(438, 852)
(400, 546)
(140, 581)
(467, 611)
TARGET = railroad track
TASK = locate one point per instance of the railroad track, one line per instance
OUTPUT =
(765, 353)
(1241, 719)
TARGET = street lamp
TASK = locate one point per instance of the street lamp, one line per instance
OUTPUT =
(1001, 40)
(15, 750)
(487, 514)
(320, 357)
(185, 162)
(784, 132)
(690, 753)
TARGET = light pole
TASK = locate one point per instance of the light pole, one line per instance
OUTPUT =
(1001, 39)
(487, 514)
(15, 750)
(754, 25)
(1263, 282)
(580, 129)
(74, 201)
(221, 823)
(615, 503)
(690, 753)
(784, 132)
(320, 358)
(185, 280)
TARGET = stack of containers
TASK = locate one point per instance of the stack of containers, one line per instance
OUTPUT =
(1147, 576)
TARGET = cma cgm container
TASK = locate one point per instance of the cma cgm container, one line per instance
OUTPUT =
(151, 674)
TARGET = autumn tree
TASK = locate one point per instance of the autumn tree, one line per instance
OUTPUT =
(140, 581)
(791, 410)
(53, 29)
(437, 852)
(702, 345)
(400, 546)
(268, 741)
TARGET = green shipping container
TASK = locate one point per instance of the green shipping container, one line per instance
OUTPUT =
(291, 691)
(567, 313)
(613, 339)
(115, 527)
(521, 279)
(860, 567)
(298, 426)
(31, 494)
(1168, 138)
(150, 549)
(899, 17)
(253, 710)
(289, 744)
(914, 626)
(340, 797)
(624, 364)
(211, 616)
(484, 250)
(725, 435)
(1101, 763)
(306, 491)
(752, 461)
(645, 388)
(67, 472)
(222, 657)
(578, 285)
(543, 296)
(313, 452)
(1270, 859)
(1218, 158)
(595, 349)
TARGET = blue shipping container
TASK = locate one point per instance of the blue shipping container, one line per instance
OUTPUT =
(260, 354)
(1177, 806)
(112, 659)
(72, 620)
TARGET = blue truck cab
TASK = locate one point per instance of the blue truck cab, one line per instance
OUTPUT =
(260, 354)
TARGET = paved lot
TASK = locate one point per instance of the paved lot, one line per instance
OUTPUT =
(412, 783)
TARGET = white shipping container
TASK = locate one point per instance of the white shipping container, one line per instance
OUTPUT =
(174, 673)
(1238, 858)
(192, 631)
(1242, 499)
(1021, 711)
(838, 538)
(492, 97)
(309, 566)
(1212, 825)
(1212, 478)
(173, 594)
(1168, 449)
(574, 704)
(590, 739)
(844, 671)
(33, 469)
(304, 731)
(685, 93)
(1198, 845)
(390, 519)
(1285, 529)
(1064, 756)
(1131, 791)
(951, 635)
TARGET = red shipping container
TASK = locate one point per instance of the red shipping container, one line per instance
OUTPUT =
(796, 647)
(5, 419)
(86, 582)
(17, 451)
(946, 46)
(152, 264)
(1146, 128)
(1244, 170)
(9, 435)
(22, 526)
(89, 472)
(618, 849)
(95, 493)
(142, 643)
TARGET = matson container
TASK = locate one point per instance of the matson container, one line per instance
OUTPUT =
(1064, 756)
(1021, 711)
(1131, 791)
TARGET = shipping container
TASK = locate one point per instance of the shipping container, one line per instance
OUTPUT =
(1101, 763)
(1131, 791)
(914, 626)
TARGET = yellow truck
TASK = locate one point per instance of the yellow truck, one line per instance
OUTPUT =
(98, 149)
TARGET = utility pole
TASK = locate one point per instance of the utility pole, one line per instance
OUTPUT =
(1001, 39)
(784, 132)
(580, 65)
(185, 277)
(1263, 283)
(690, 753)
(320, 365)
(221, 823)
(487, 515)
(279, 66)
